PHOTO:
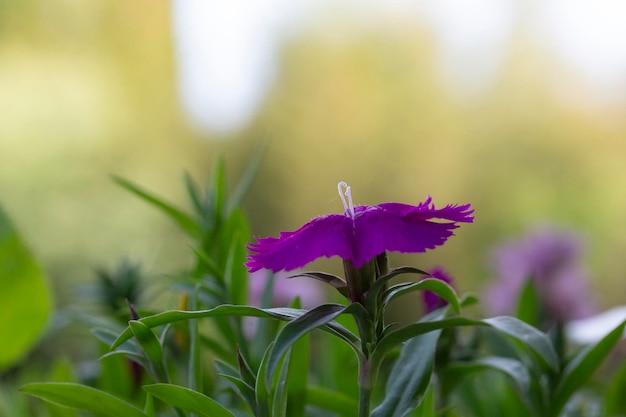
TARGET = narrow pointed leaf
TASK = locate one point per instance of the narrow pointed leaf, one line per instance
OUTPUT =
(298, 375)
(279, 403)
(284, 314)
(183, 220)
(582, 366)
(262, 387)
(529, 336)
(437, 286)
(410, 377)
(330, 279)
(246, 180)
(151, 347)
(382, 282)
(188, 400)
(82, 397)
(311, 320)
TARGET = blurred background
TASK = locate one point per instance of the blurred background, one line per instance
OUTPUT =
(516, 107)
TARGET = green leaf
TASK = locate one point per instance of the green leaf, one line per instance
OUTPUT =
(615, 399)
(285, 314)
(312, 319)
(530, 337)
(194, 194)
(334, 401)
(244, 389)
(427, 407)
(437, 286)
(262, 387)
(298, 375)
(188, 400)
(371, 299)
(82, 397)
(330, 279)
(512, 368)
(396, 337)
(246, 180)
(279, 403)
(183, 220)
(410, 376)
(236, 273)
(529, 305)
(152, 349)
(24, 299)
(582, 366)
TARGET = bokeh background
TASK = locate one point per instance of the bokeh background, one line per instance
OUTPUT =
(514, 106)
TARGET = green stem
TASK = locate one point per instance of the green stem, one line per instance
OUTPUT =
(365, 388)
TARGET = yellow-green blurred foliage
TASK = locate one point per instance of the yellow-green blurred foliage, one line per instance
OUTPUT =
(87, 89)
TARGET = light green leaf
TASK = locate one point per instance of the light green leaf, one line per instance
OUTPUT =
(188, 400)
(24, 298)
(82, 397)
(183, 220)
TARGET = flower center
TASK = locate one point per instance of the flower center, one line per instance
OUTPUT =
(344, 191)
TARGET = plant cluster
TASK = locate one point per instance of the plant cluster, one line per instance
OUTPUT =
(206, 358)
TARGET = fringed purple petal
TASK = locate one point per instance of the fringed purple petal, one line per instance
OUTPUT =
(324, 236)
(373, 230)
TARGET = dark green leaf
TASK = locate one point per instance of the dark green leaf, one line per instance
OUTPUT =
(410, 376)
(285, 314)
(371, 299)
(330, 279)
(279, 403)
(82, 397)
(530, 337)
(582, 366)
(439, 287)
(298, 374)
(514, 369)
(262, 387)
(188, 400)
(312, 319)
(151, 347)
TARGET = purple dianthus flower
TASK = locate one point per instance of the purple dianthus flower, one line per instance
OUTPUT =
(359, 234)
(551, 258)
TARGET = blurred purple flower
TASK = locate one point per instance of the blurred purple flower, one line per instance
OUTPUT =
(551, 257)
(359, 234)
(285, 289)
(431, 300)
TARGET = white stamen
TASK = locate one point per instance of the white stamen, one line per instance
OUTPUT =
(347, 205)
